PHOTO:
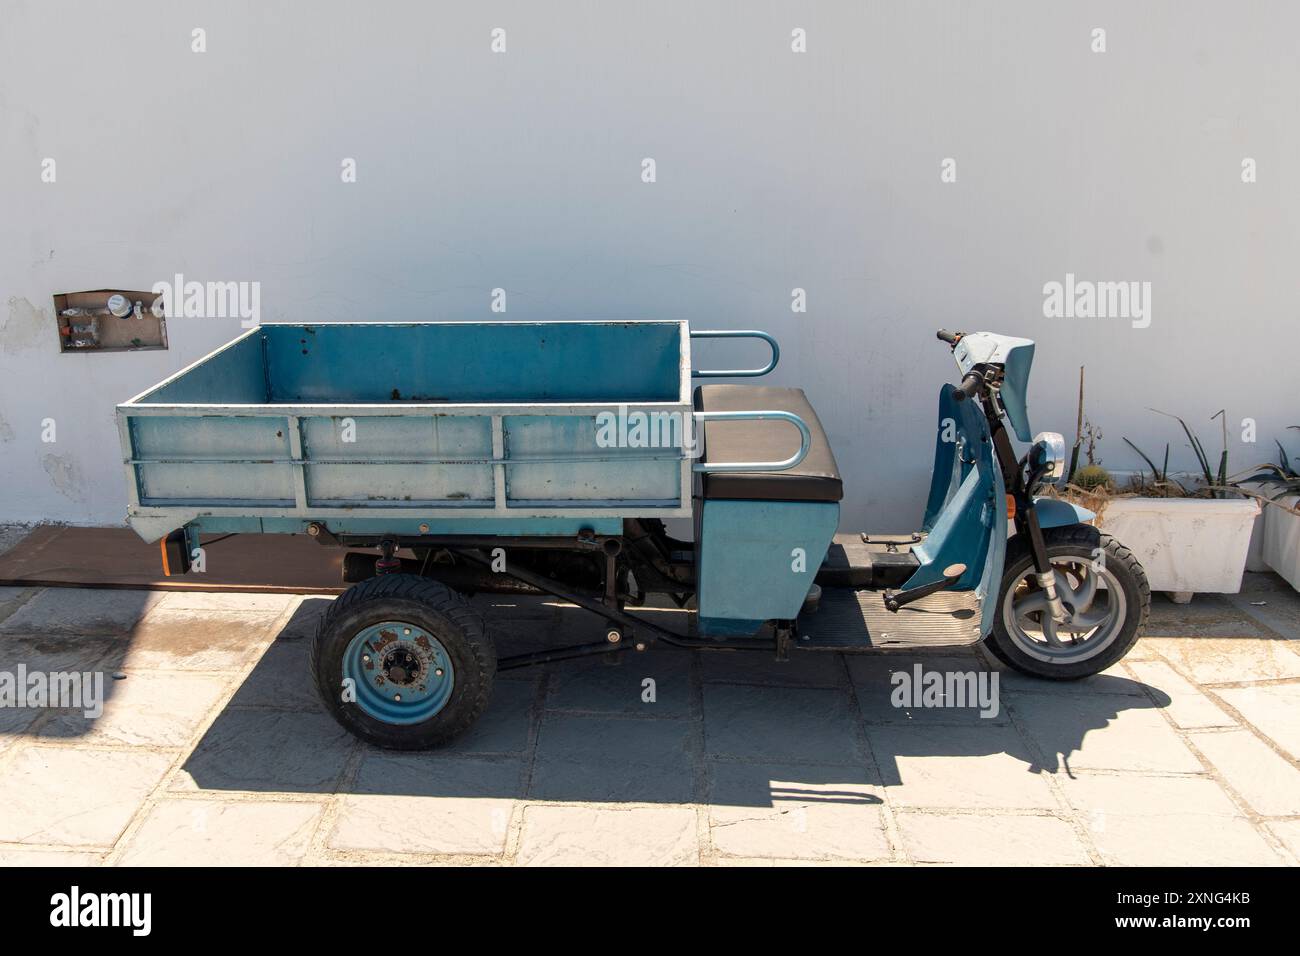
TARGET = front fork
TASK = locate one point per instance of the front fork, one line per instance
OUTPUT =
(1044, 573)
(1026, 515)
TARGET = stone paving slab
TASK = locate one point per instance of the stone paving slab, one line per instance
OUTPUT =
(161, 710)
(600, 686)
(608, 759)
(1186, 752)
(761, 667)
(985, 766)
(1141, 651)
(1287, 832)
(1208, 615)
(422, 803)
(1112, 681)
(1270, 601)
(56, 652)
(213, 833)
(770, 862)
(609, 836)
(1166, 821)
(9, 597)
(1272, 616)
(1103, 733)
(64, 797)
(227, 601)
(1229, 660)
(81, 611)
(781, 723)
(1268, 782)
(281, 679)
(504, 726)
(791, 812)
(525, 628)
(1188, 708)
(10, 856)
(264, 751)
(1273, 709)
(14, 724)
(874, 687)
(305, 620)
(204, 640)
(965, 839)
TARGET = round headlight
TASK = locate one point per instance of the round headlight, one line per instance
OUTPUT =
(1047, 456)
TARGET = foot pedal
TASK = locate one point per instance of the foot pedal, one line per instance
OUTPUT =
(891, 544)
(897, 599)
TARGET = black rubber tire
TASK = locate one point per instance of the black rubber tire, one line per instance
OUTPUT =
(430, 605)
(1074, 540)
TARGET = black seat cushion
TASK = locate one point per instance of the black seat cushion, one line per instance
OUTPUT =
(816, 478)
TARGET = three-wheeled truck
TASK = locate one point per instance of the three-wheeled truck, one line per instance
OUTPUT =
(462, 457)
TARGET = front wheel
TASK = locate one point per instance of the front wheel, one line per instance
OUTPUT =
(1106, 597)
(403, 662)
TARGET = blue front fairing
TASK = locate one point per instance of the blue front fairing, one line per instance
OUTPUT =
(966, 514)
(1015, 389)
(1015, 356)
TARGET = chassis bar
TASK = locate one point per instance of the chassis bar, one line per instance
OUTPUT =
(610, 612)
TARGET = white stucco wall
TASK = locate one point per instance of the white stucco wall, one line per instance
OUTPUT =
(775, 170)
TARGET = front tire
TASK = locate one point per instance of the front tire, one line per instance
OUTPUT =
(1106, 589)
(403, 662)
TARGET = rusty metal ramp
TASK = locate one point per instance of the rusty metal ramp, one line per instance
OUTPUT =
(848, 620)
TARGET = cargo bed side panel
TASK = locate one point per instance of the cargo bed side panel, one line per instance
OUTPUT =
(411, 425)
(368, 461)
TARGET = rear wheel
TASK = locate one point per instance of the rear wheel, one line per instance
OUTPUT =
(403, 662)
(1106, 595)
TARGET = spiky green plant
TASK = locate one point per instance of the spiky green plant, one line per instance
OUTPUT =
(1159, 475)
(1283, 472)
(1213, 483)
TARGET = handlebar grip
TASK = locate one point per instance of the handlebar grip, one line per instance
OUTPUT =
(943, 335)
(970, 385)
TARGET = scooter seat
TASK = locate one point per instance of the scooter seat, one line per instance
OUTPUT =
(816, 478)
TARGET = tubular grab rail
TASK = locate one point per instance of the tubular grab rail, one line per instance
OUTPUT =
(737, 334)
(805, 441)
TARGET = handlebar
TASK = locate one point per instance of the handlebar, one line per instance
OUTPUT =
(972, 380)
(969, 387)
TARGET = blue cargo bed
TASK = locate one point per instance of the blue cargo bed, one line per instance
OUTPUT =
(411, 428)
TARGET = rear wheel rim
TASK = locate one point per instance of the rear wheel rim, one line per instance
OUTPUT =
(1089, 589)
(401, 673)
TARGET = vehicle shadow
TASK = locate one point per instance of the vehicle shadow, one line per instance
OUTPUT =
(59, 650)
(732, 728)
(1045, 726)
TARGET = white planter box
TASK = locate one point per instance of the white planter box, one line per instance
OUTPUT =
(1255, 555)
(1281, 541)
(1186, 545)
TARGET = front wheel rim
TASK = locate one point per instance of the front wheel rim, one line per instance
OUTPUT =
(400, 672)
(1089, 589)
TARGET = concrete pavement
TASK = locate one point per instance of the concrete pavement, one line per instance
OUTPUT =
(212, 749)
